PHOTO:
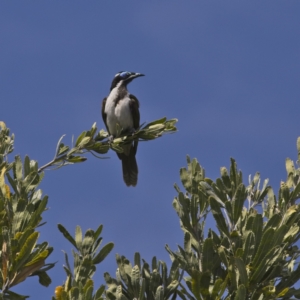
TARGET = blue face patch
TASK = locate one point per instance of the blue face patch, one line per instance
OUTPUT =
(124, 74)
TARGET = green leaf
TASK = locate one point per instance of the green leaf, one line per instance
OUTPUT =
(93, 129)
(36, 216)
(74, 293)
(220, 189)
(185, 179)
(208, 255)
(204, 283)
(124, 268)
(99, 292)
(116, 148)
(76, 159)
(298, 148)
(62, 149)
(156, 127)
(89, 293)
(25, 251)
(142, 289)
(249, 247)
(137, 259)
(119, 294)
(3, 192)
(67, 235)
(265, 246)
(135, 280)
(84, 141)
(280, 234)
(194, 210)
(290, 169)
(256, 226)
(85, 270)
(241, 293)
(218, 216)
(155, 281)
(99, 147)
(187, 243)
(159, 121)
(98, 232)
(78, 237)
(273, 222)
(18, 169)
(217, 287)
(80, 138)
(291, 280)
(101, 135)
(14, 296)
(207, 189)
(228, 207)
(103, 253)
(12, 182)
(159, 295)
(265, 264)
(89, 243)
(223, 256)
(26, 166)
(295, 193)
(235, 176)
(154, 264)
(226, 180)
(282, 293)
(240, 265)
(37, 256)
(238, 202)
(44, 279)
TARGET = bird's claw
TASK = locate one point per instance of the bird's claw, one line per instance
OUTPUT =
(132, 131)
(110, 139)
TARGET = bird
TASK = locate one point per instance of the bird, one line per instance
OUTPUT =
(120, 113)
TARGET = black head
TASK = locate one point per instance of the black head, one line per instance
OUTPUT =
(123, 78)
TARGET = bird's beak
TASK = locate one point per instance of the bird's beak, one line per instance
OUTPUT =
(138, 75)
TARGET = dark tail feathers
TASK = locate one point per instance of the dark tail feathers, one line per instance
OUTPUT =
(130, 169)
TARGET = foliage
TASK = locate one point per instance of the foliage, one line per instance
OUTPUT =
(22, 205)
(139, 282)
(99, 143)
(20, 210)
(250, 253)
(253, 254)
(79, 283)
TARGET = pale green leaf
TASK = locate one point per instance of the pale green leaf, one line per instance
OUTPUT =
(103, 253)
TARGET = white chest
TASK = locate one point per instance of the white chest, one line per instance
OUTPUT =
(118, 114)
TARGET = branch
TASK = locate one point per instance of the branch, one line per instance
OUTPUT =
(100, 143)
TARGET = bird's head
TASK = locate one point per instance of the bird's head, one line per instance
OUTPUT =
(123, 78)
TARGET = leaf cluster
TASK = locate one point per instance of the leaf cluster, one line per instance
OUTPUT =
(141, 281)
(138, 282)
(253, 254)
(21, 207)
(79, 283)
(100, 142)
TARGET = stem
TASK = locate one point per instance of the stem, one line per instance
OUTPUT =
(52, 162)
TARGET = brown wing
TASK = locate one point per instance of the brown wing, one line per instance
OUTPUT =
(103, 112)
(134, 108)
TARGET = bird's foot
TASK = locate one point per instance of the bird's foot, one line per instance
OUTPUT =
(110, 139)
(132, 131)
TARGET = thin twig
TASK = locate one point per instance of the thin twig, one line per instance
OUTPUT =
(51, 163)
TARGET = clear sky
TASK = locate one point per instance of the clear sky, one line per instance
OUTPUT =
(228, 70)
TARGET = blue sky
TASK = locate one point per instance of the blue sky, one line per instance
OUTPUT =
(228, 70)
